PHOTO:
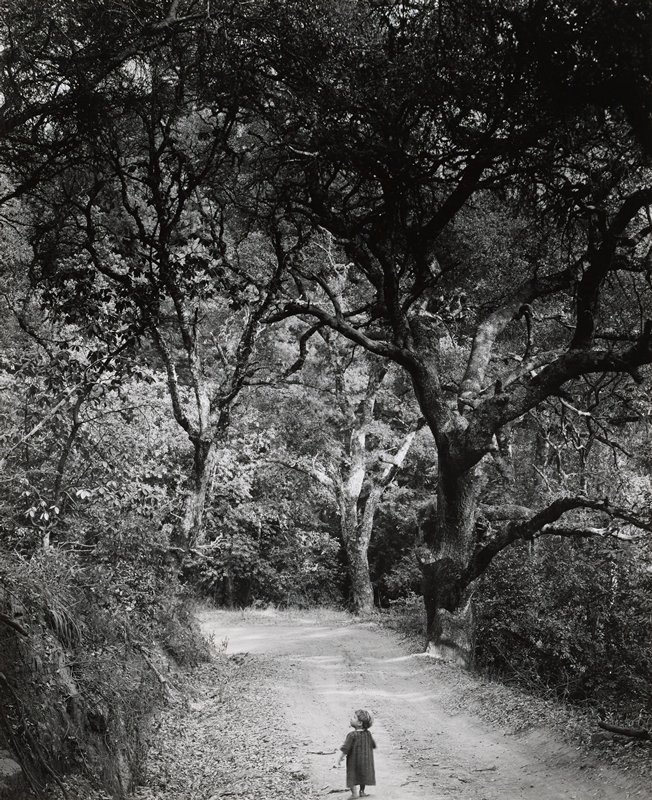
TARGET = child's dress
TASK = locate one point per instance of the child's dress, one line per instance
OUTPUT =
(359, 750)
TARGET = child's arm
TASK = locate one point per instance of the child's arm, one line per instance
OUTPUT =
(345, 748)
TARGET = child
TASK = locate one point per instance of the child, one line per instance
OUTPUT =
(358, 748)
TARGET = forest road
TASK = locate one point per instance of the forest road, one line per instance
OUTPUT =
(322, 671)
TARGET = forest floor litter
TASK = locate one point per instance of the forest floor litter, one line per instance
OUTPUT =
(264, 721)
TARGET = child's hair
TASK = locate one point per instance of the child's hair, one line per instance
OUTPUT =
(366, 720)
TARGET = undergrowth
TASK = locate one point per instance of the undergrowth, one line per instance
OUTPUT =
(85, 663)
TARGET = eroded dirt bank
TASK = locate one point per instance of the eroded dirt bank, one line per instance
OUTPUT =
(276, 733)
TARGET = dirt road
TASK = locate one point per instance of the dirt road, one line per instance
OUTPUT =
(323, 670)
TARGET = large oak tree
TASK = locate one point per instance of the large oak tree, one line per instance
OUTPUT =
(482, 167)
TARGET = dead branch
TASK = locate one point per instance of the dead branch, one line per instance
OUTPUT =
(633, 733)
(161, 678)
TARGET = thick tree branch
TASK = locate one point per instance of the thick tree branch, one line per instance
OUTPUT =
(356, 469)
(247, 340)
(173, 383)
(313, 472)
(504, 407)
(601, 262)
(543, 523)
(397, 354)
(571, 531)
(303, 349)
(398, 460)
(379, 485)
(490, 328)
(465, 187)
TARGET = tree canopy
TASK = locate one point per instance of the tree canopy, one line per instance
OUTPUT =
(346, 299)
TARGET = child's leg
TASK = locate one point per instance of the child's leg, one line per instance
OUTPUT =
(362, 790)
(354, 791)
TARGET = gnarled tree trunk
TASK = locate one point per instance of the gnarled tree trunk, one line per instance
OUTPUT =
(362, 595)
(450, 533)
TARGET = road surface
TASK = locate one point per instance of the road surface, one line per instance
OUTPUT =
(324, 670)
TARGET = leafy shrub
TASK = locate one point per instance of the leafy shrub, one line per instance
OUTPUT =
(571, 618)
(401, 582)
(76, 689)
(407, 616)
(81, 686)
(394, 567)
(180, 635)
(270, 565)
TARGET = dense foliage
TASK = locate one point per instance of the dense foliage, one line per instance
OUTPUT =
(571, 620)
(320, 303)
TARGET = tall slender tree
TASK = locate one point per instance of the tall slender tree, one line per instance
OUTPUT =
(134, 200)
(365, 438)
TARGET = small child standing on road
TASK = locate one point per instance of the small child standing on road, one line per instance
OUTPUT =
(358, 748)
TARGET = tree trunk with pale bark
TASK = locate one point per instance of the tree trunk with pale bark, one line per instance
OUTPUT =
(190, 529)
(356, 536)
(362, 594)
(359, 496)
